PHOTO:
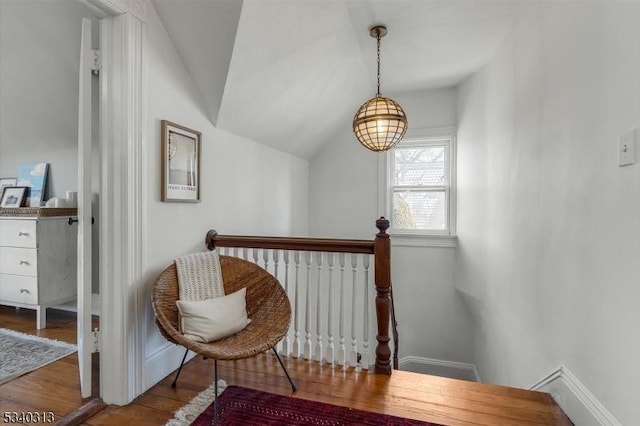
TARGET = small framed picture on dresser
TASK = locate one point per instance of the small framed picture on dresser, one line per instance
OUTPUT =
(7, 181)
(13, 196)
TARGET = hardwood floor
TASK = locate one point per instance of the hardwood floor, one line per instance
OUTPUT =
(405, 394)
(56, 388)
(61, 325)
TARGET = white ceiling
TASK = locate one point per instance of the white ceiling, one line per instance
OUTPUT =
(291, 73)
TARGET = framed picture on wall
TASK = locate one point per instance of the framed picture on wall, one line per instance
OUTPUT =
(180, 163)
(13, 196)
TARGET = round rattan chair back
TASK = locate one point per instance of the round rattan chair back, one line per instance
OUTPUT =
(267, 306)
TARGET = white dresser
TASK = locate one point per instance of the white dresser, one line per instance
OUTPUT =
(37, 261)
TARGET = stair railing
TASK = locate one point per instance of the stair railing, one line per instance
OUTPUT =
(320, 275)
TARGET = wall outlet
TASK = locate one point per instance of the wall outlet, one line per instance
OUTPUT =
(627, 148)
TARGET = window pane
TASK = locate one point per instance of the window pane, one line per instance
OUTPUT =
(419, 210)
(416, 166)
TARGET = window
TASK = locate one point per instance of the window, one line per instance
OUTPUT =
(420, 185)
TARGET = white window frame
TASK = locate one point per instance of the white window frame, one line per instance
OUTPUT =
(418, 237)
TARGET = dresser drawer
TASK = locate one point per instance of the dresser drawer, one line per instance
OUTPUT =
(19, 289)
(19, 261)
(18, 233)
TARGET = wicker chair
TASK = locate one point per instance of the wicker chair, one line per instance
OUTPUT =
(267, 306)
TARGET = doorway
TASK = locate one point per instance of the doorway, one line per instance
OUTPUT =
(122, 192)
(39, 62)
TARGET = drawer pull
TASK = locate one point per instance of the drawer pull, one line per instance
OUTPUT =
(24, 291)
(24, 262)
(23, 234)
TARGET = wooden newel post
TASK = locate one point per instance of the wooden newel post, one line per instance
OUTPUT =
(382, 253)
(210, 239)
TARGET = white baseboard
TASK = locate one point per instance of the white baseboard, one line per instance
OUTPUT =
(73, 305)
(574, 398)
(161, 363)
(437, 367)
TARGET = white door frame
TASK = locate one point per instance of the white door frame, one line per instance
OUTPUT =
(121, 196)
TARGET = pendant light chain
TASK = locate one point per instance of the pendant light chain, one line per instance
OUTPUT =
(378, 37)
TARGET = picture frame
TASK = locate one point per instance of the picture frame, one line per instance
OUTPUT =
(7, 181)
(13, 196)
(181, 163)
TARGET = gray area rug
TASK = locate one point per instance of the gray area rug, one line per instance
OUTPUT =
(21, 353)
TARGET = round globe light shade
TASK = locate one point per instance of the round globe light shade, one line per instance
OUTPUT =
(380, 124)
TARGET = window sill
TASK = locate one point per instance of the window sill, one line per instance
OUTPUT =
(423, 240)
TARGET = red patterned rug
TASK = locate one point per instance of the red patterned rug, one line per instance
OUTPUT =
(242, 406)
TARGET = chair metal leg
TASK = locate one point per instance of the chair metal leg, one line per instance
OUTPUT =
(293, 387)
(215, 398)
(173, 385)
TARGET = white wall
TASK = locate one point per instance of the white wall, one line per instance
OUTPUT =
(548, 224)
(343, 203)
(247, 188)
(39, 61)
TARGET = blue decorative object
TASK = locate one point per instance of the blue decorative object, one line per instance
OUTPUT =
(33, 175)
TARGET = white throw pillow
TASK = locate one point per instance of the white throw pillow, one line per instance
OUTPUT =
(212, 319)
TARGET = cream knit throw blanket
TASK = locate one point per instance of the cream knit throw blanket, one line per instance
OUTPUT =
(199, 276)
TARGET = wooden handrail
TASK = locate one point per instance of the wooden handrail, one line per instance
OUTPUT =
(380, 247)
(214, 240)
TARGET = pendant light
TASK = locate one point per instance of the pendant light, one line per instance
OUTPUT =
(380, 123)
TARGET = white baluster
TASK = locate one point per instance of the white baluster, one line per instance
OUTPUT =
(353, 354)
(331, 356)
(275, 255)
(365, 362)
(308, 350)
(265, 258)
(276, 260)
(342, 350)
(286, 344)
(245, 253)
(319, 355)
(255, 255)
(297, 349)
(235, 251)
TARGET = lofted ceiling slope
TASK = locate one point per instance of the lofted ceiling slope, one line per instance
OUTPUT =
(203, 33)
(291, 73)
